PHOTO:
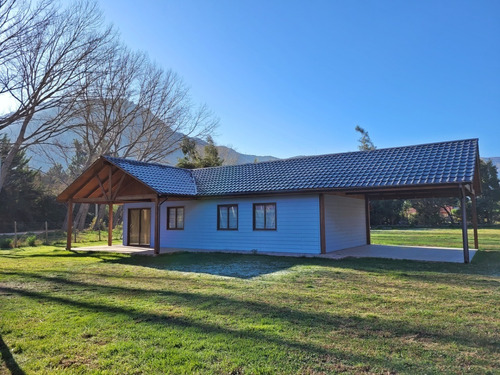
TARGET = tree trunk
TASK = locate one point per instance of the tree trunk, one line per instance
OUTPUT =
(65, 223)
(450, 216)
(81, 216)
(100, 217)
(118, 216)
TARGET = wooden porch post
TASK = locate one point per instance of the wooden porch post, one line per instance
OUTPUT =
(157, 226)
(465, 238)
(70, 224)
(322, 226)
(110, 224)
(474, 220)
(367, 216)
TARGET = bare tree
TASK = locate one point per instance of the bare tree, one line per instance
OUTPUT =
(57, 53)
(18, 20)
(136, 109)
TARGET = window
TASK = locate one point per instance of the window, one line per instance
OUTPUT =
(264, 216)
(175, 217)
(227, 217)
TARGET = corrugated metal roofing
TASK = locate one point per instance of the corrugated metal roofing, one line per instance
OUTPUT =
(436, 163)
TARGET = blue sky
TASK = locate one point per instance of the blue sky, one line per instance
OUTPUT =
(295, 77)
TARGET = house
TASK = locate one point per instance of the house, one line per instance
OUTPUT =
(312, 204)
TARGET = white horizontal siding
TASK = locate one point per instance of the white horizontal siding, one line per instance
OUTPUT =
(344, 222)
(297, 225)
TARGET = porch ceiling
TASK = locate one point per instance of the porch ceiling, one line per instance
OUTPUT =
(416, 191)
(104, 182)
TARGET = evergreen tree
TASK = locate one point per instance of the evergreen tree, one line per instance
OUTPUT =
(22, 198)
(488, 203)
(365, 142)
(382, 212)
(192, 159)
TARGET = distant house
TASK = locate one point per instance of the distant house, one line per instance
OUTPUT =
(313, 204)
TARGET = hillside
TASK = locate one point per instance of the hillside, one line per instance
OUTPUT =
(39, 161)
(229, 155)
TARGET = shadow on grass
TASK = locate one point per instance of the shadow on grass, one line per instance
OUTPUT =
(151, 318)
(243, 266)
(352, 325)
(486, 263)
(9, 360)
(218, 264)
(59, 253)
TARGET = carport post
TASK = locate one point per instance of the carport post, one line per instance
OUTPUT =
(474, 220)
(367, 215)
(465, 238)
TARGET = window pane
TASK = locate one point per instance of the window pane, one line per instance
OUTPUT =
(259, 216)
(180, 218)
(223, 217)
(171, 218)
(233, 217)
(145, 235)
(270, 216)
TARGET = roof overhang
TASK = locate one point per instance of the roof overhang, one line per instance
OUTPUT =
(104, 182)
(375, 193)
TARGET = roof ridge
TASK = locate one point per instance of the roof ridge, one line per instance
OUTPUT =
(335, 153)
(145, 162)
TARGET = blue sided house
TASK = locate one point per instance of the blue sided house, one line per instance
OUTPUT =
(313, 204)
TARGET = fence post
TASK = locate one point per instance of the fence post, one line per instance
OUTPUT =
(15, 233)
(46, 233)
(75, 235)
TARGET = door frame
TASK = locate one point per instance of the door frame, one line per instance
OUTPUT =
(128, 226)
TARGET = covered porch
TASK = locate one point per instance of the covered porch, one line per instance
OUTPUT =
(105, 182)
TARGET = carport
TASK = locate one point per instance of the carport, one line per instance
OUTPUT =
(450, 190)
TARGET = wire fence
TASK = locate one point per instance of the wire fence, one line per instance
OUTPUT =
(20, 234)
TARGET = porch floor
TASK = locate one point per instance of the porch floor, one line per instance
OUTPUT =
(420, 253)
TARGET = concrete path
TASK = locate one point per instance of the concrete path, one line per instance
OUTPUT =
(420, 253)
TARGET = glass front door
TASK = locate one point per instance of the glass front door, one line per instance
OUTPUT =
(139, 226)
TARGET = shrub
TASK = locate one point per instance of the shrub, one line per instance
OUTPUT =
(5, 243)
(31, 240)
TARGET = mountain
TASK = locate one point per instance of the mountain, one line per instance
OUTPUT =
(39, 161)
(229, 155)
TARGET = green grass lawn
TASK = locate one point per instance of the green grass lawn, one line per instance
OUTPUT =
(69, 312)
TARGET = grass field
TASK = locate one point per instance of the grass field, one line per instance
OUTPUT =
(67, 312)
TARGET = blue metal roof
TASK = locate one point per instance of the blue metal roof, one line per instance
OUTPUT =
(161, 178)
(436, 163)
